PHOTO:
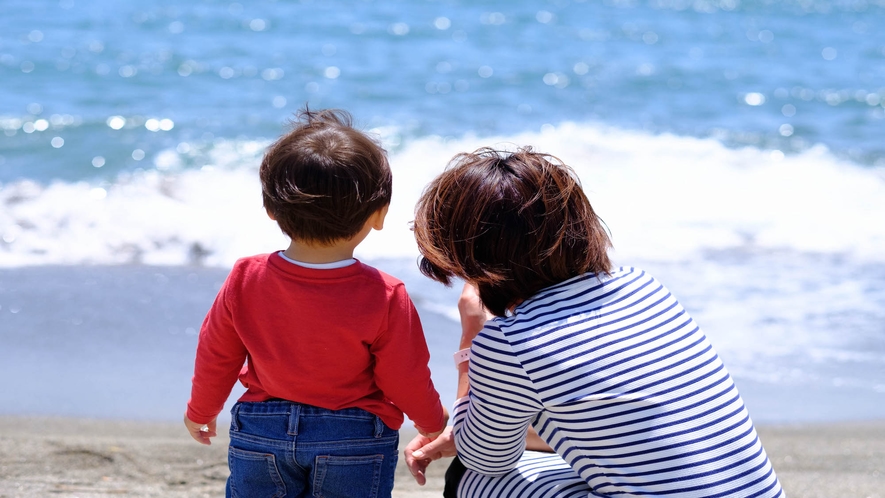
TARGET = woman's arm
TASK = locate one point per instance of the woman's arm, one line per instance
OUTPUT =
(502, 399)
(421, 451)
(533, 442)
(473, 318)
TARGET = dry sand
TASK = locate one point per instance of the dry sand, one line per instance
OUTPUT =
(95, 458)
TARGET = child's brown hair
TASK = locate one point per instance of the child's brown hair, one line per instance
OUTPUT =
(322, 180)
(509, 223)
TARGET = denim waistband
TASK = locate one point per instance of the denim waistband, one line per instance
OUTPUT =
(296, 411)
(281, 406)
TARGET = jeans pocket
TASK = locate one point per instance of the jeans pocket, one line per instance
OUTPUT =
(254, 474)
(347, 476)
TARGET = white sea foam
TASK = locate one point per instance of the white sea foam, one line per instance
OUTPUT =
(664, 197)
(778, 258)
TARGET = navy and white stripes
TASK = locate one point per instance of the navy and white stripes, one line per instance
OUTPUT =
(621, 382)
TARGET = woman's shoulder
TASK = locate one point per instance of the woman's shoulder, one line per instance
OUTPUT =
(582, 294)
(589, 284)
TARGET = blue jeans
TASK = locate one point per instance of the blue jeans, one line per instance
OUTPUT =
(284, 449)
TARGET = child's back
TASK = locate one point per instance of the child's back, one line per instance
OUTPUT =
(336, 338)
(333, 349)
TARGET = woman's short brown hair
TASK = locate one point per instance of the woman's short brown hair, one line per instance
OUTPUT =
(509, 223)
(322, 180)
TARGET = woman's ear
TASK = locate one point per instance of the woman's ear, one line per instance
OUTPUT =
(270, 215)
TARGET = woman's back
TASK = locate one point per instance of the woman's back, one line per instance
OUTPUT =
(621, 382)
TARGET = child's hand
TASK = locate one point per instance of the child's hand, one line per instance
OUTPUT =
(430, 435)
(421, 452)
(201, 432)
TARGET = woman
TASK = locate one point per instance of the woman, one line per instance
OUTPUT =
(603, 363)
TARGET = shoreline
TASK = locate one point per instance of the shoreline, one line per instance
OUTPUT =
(99, 458)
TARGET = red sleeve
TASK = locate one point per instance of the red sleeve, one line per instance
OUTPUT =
(401, 359)
(220, 357)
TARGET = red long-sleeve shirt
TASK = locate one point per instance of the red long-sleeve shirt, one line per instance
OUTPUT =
(333, 338)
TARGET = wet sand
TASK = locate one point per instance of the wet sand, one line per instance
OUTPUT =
(97, 458)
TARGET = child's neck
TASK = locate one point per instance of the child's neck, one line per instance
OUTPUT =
(339, 250)
(318, 254)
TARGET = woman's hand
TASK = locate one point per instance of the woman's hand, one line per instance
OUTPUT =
(421, 451)
(473, 315)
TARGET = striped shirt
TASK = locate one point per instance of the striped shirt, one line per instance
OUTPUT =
(624, 386)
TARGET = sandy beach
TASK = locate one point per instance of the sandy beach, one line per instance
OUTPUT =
(97, 458)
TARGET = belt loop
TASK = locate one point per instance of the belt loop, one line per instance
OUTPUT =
(379, 427)
(294, 415)
(234, 417)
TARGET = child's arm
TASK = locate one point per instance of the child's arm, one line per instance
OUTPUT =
(219, 358)
(431, 435)
(401, 365)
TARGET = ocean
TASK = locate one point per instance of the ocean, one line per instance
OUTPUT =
(734, 148)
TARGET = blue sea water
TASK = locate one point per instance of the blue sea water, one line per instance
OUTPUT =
(734, 148)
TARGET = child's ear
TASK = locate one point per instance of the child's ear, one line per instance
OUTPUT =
(378, 217)
(270, 215)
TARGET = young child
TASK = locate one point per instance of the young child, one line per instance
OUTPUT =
(333, 349)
